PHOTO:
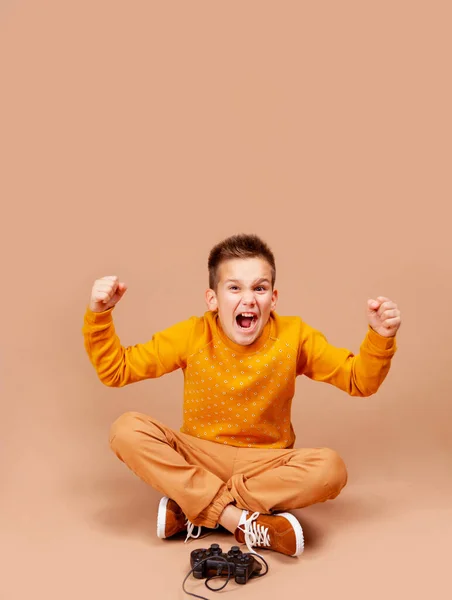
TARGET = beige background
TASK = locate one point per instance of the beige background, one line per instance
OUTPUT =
(133, 137)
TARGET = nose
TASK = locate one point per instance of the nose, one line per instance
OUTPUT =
(248, 298)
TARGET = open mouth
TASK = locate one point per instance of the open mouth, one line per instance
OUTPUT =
(246, 321)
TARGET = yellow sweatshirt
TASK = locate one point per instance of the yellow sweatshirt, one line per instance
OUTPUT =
(238, 395)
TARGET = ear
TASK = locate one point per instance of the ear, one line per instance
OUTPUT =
(211, 300)
(274, 300)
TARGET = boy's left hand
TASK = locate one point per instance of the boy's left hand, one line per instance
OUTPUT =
(383, 316)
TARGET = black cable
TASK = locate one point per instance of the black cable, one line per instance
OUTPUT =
(265, 563)
(219, 574)
(209, 578)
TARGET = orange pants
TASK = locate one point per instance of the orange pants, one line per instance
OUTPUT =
(203, 477)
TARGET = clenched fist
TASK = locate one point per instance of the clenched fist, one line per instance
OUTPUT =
(384, 316)
(106, 292)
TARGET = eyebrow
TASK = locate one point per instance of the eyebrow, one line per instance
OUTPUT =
(261, 280)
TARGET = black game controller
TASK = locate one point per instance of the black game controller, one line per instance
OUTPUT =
(215, 562)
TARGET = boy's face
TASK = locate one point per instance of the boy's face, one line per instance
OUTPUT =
(244, 298)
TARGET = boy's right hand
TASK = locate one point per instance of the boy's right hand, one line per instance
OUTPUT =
(106, 292)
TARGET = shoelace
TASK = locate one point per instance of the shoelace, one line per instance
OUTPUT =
(255, 534)
(190, 527)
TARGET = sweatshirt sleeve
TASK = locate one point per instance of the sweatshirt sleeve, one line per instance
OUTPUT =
(117, 366)
(359, 375)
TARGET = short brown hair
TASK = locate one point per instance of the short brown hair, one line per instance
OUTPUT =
(239, 246)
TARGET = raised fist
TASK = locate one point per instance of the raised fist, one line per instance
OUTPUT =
(106, 292)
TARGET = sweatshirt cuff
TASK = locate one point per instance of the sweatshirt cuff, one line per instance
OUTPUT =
(381, 342)
(98, 318)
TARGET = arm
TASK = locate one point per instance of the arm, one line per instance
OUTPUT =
(117, 366)
(360, 375)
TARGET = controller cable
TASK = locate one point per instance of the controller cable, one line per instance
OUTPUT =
(219, 574)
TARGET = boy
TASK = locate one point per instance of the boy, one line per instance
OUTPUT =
(233, 462)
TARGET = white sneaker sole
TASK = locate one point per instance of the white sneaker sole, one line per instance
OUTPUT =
(298, 531)
(161, 518)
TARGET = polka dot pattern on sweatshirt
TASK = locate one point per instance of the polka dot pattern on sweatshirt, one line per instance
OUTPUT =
(240, 399)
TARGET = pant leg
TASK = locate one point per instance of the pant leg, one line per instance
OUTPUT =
(275, 480)
(191, 471)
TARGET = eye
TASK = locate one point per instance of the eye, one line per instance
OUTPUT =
(233, 287)
(261, 287)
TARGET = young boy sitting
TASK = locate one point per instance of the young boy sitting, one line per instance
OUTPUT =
(233, 462)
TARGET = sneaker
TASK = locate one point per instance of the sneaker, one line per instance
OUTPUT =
(171, 520)
(280, 532)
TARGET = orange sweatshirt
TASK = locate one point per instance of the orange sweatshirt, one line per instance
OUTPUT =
(238, 395)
